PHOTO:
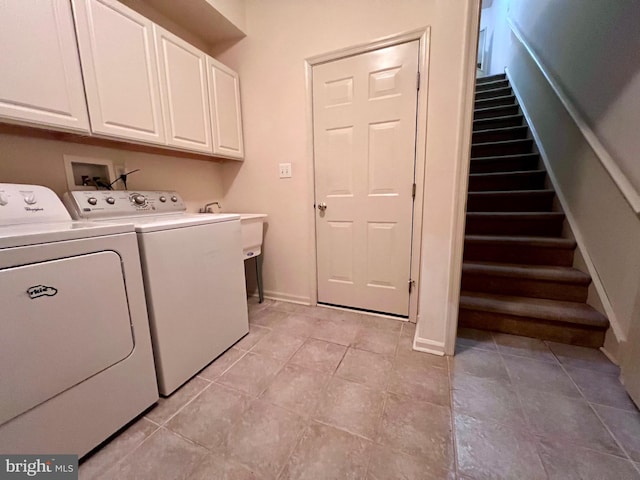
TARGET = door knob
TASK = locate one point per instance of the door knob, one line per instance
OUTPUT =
(322, 206)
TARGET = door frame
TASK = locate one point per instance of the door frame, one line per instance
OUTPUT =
(422, 35)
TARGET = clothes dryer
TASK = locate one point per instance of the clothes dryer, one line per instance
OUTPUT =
(75, 350)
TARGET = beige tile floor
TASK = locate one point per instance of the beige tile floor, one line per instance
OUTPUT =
(316, 393)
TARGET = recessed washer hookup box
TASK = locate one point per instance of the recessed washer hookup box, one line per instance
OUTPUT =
(49, 467)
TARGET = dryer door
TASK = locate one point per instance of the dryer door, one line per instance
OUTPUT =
(62, 321)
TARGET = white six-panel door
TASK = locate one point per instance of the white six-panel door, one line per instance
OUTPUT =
(118, 58)
(364, 114)
(38, 37)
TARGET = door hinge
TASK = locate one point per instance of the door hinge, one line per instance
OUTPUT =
(418, 81)
(412, 283)
(413, 191)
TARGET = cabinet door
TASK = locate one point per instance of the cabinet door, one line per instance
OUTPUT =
(224, 93)
(40, 81)
(120, 72)
(184, 92)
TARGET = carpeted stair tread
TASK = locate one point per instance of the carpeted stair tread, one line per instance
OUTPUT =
(518, 248)
(513, 180)
(511, 201)
(495, 101)
(518, 146)
(517, 173)
(505, 163)
(492, 85)
(509, 194)
(518, 132)
(498, 122)
(516, 215)
(497, 111)
(543, 224)
(550, 242)
(490, 78)
(535, 272)
(499, 143)
(509, 97)
(493, 92)
(536, 308)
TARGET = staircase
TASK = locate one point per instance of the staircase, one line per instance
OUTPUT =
(517, 274)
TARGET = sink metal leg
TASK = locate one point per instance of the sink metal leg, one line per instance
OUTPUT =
(259, 278)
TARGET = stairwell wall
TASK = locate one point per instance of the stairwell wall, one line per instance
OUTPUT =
(605, 224)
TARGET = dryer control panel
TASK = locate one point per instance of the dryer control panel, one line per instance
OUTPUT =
(20, 204)
(91, 205)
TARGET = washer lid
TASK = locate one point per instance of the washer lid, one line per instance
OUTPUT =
(157, 223)
(37, 233)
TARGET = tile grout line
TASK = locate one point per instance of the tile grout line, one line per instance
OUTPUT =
(295, 447)
(209, 383)
(615, 438)
(242, 352)
(527, 420)
(452, 421)
(377, 440)
(158, 427)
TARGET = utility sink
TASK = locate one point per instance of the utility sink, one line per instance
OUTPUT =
(252, 226)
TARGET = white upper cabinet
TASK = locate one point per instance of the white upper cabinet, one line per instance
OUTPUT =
(224, 93)
(184, 92)
(118, 56)
(40, 79)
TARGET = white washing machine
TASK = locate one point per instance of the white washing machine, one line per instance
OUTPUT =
(193, 274)
(75, 349)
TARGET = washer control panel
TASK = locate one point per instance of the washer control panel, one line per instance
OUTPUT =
(21, 204)
(122, 203)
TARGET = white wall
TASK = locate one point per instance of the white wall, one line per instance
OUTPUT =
(593, 51)
(588, 52)
(281, 34)
(233, 10)
(498, 36)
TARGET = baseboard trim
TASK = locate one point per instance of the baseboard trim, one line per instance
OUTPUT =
(285, 297)
(629, 192)
(428, 346)
(577, 233)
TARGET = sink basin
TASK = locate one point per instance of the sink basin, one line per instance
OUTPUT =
(252, 226)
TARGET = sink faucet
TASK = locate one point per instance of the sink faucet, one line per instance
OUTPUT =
(207, 207)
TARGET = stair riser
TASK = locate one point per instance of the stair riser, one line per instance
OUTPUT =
(496, 112)
(498, 92)
(547, 227)
(500, 135)
(504, 165)
(506, 203)
(494, 150)
(487, 123)
(494, 102)
(533, 181)
(524, 287)
(522, 254)
(527, 327)
(482, 86)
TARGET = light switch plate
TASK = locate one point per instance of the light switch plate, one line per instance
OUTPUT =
(285, 170)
